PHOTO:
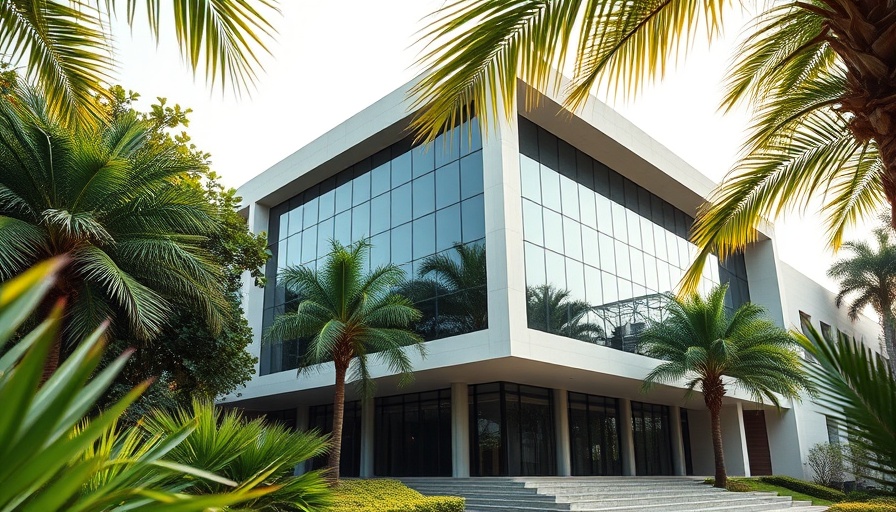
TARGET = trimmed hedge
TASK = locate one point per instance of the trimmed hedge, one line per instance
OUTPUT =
(388, 496)
(876, 505)
(812, 489)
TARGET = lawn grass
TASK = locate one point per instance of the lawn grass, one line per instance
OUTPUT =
(756, 485)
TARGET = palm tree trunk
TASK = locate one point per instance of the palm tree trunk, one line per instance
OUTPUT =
(863, 34)
(338, 414)
(713, 391)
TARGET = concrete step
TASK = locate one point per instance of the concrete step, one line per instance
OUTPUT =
(603, 494)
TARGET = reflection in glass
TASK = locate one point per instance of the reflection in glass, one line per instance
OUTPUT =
(602, 241)
(452, 284)
(594, 435)
(552, 310)
(408, 210)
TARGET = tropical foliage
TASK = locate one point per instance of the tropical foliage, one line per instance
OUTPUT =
(706, 346)
(868, 275)
(552, 310)
(68, 49)
(818, 76)
(155, 241)
(227, 444)
(857, 387)
(53, 457)
(347, 316)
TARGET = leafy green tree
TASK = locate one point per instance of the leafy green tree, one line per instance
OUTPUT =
(69, 52)
(551, 310)
(869, 275)
(702, 344)
(348, 316)
(818, 76)
(117, 205)
(191, 360)
(857, 387)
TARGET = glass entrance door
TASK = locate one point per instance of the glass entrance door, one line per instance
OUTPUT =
(652, 435)
(594, 435)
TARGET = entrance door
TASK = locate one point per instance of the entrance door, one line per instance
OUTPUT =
(653, 439)
(757, 443)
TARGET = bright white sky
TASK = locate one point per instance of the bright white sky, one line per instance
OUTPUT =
(332, 59)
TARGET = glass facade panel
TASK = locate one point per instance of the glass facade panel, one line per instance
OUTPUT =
(320, 417)
(412, 434)
(511, 430)
(413, 203)
(611, 251)
(594, 435)
(652, 435)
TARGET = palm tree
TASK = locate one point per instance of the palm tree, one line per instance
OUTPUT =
(703, 344)
(111, 202)
(459, 282)
(347, 316)
(857, 387)
(818, 75)
(69, 50)
(870, 276)
(551, 310)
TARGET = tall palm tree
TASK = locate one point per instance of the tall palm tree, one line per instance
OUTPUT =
(69, 52)
(870, 276)
(818, 75)
(348, 316)
(551, 310)
(704, 345)
(857, 387)
(111, 202)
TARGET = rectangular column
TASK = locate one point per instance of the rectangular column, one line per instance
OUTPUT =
(627, 442)
(678, 462)
(734, 440)
(367, 439)
(561, 432)
(460, 430)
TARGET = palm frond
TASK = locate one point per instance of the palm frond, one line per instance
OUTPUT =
(219, 36)
(476, 50)
(814, 153)
(857, 387)
(21, 244)
(67, 53)
(146, 310)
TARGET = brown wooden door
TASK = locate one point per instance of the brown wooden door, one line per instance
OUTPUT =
(757, 443)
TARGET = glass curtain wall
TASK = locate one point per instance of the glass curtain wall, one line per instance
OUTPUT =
(417, 205)
(652, 435)
(512, 430)
(594, 435)
(413, 434)
(320, 417)
(601, 251)
(686, 441)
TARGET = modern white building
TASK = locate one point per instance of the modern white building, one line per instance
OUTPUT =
(580, 224)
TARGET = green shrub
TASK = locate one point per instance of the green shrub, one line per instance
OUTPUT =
(875, 495)
(814, 490)
(388, 496)
(862, 507)
(738, 486)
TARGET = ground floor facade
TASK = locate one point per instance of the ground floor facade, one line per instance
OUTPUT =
(512, 429)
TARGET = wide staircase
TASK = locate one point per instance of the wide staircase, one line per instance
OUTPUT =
(621, 494)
